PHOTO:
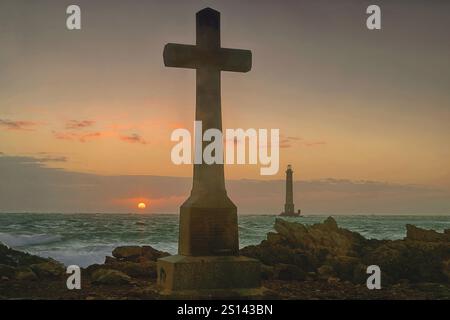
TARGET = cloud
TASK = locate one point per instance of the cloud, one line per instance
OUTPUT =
(75, 136)
(290, 141)
(314, 143)
(133, 138)
(17, 125)
(53, 159)
(28, 185)
(39, 158)
(76, 124)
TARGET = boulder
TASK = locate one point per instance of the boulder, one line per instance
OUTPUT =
(344, 266)
(7, 271)
(47, 270)
(146, 269)
(137, 253)
(325, 238)
(14, 258)
(267, 272)
(309, 247)
(151, 254)
(110, 277)
(289, 272)
(129, 253)
(419, 234)
(446, 269)
(109, 260)
(416, 261)
(326, 272)
(25, 274)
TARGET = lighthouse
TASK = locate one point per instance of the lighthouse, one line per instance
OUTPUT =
(289, 205)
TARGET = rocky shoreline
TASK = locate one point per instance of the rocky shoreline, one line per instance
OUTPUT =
(321, 261)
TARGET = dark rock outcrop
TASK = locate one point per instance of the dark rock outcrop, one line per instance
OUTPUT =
(26, 267)
(331, 252)
(419, 234)
(110, 277)
(134, 261)
(138, 254)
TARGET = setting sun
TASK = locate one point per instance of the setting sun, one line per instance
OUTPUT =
(142, 205)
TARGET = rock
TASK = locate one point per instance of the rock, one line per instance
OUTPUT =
(110, 277)
(417, 261)
(151, 254)
(267, 272)
(333, 280)
(330, 223)
(321, 238)
(50, 269)
(109, 260)
(419, 234)
(138, 254)
(289, 272)
(14, 258)
(127, 252)
(7, 271)
(325, 272)
(446, 269)
(272, 254)
(344, 266)
(311, 276)
(309, 247)
(330, 251)
(25, 274)
(145, 269)
(360, 274)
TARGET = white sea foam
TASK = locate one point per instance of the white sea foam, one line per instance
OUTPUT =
(21, 240)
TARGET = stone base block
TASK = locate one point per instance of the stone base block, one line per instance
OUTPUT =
(217, 275)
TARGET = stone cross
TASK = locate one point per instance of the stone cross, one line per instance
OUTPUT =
(208, 219)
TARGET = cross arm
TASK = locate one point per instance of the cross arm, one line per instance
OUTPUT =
(194, 57)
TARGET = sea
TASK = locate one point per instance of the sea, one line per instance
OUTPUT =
(85, 239)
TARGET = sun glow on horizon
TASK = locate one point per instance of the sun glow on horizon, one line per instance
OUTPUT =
(142, 205)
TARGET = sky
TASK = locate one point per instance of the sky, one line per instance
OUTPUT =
(363, 115)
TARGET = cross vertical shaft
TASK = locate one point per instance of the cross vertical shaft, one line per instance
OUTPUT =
(208, 218)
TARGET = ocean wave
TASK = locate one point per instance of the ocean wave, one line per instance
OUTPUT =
(23, 240)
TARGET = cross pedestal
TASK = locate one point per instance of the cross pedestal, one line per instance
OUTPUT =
(208, 252)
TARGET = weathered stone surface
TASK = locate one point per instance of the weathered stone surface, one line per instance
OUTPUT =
(110, 277)
(178, 273)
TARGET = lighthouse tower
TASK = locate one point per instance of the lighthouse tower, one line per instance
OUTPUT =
(289, 205)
